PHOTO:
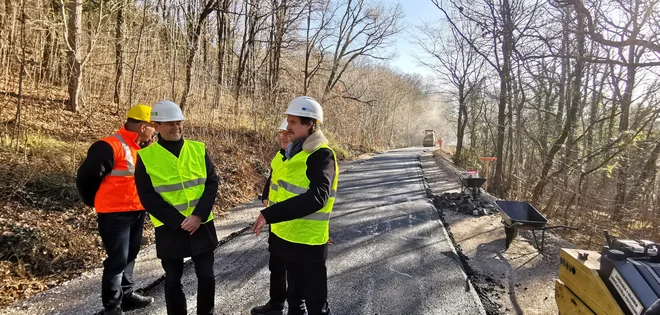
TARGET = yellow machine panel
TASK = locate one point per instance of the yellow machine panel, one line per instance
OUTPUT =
(568, 303)
(580, 276)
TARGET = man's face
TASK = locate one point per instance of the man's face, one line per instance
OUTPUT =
(146, 133)
(297, 128)
(171, 130)
(285, 138)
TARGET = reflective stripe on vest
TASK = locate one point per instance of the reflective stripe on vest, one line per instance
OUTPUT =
(129, 159)
(179, 181)
(276, 166)
(295, 189)
(292, 181)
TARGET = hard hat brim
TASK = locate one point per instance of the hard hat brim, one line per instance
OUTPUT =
(298, 115)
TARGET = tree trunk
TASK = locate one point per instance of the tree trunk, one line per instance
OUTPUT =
(308, 49)
(137, 52)
(242, 57)
(194, 31)
(175, 48)
(75, 65)
(462, 121)
(624, 126)
(505, 76)
(643, 184)
(571, 114)
(45, 57)
(119, 52)
(222, 20)
(17, 126)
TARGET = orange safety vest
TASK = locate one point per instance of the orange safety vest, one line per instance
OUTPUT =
(117, 192)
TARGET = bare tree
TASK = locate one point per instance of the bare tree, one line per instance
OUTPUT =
(363, 30)
(21, 75)
(460, 69)
(316, 33)
(578, 74)
(645, 18)
(137, 52)
(498, 22)
(222, 21)
(284, 16)
(119, 51)
(72, 37)
(194, 29)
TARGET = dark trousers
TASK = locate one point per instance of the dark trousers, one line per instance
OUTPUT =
(175, 299)
(121, 233)
(278, 292)
(307, 285)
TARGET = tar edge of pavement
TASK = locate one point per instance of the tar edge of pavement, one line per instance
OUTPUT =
(482, 285)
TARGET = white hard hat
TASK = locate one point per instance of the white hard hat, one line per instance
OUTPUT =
(284, 124)
(305, 106)
(165, 111)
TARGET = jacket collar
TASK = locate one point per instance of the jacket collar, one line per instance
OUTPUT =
(129, 136)
(173, 146)
(314, 141)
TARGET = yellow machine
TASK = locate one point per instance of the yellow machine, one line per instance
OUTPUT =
(624, 279)
(579, 289)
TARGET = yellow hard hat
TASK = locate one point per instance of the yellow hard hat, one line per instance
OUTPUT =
(140, 112)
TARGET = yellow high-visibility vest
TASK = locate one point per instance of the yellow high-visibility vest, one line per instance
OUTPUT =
(291, 180)
(276, 165)
(179, 181)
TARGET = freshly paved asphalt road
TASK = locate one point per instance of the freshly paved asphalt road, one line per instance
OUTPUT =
(391, 254)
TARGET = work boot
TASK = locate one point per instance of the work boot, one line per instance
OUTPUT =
(268, 309)
(113, 311)
(135, 301)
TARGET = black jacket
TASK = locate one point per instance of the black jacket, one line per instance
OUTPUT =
(321, 173)
(171, 240)
(99, 162)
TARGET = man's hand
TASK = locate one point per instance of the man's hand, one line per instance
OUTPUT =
(191, 223)
(265, 202)
(258, 224)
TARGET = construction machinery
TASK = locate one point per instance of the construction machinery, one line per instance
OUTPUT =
(429, 138)
(623, 278)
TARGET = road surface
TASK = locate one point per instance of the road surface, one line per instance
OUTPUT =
(391, 254)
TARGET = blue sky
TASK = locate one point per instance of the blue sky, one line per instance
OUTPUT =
(416, 12)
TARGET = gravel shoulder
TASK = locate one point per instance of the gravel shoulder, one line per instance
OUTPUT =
(519, 280)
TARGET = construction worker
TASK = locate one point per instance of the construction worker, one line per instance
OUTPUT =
(177, 184)
(277, 269)
(285, 138)
(105, 181)
(301, 198)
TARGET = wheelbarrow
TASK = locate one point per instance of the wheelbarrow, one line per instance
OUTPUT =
(519, 215)
(472, 184)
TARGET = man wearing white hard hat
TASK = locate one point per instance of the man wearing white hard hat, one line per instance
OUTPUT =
(301, 199)
(177, 185)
